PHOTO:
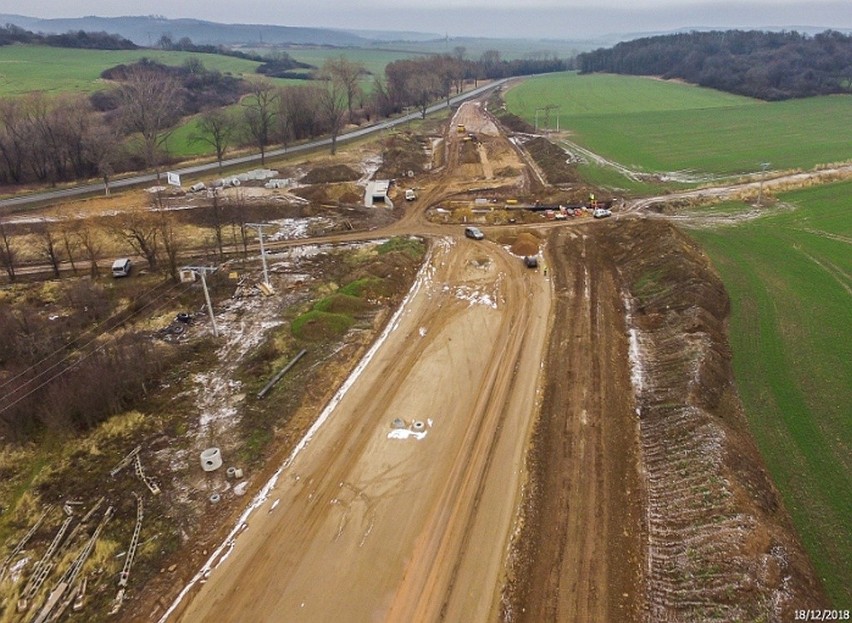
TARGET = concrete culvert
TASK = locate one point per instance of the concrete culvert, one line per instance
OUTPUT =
(232, 471)
(215, 498)
(211, 459)
(398, 423)
(418, 425)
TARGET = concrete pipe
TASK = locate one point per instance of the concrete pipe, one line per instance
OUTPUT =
(232, 471)
(211, 459)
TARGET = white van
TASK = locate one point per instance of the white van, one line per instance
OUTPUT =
(121, 267)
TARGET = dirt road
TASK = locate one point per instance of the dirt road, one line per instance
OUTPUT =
(365, 527)
(580, 550)
(487, 463)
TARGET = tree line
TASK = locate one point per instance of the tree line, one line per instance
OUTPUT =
(765, 65)
(51, 139)
(10, 34)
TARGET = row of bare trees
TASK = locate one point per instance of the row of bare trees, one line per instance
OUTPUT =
(50, 139)
(47, 139)
(151, 234)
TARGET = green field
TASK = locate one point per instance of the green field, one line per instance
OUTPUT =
(790, 280)
(657, 126)
(373, 60)
(25, 68)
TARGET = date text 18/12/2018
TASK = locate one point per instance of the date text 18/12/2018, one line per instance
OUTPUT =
(822, 615)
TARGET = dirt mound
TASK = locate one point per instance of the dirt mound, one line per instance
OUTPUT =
(403, 153)
(720, 545)
(525, 244)
(330, 174)
(342, 304)
(552, 160)
(331, 193)
(647, 496)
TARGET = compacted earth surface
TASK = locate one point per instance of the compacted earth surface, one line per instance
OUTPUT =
(483, 439)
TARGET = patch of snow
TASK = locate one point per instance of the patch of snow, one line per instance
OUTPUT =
(16, 569)
(638, 374)
(475, 297)
(404, 433)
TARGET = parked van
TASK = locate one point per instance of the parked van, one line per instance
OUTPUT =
(121, 267)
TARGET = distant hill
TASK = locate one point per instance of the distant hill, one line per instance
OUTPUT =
(147, 30)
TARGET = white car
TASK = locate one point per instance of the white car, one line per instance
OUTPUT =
(601, 213)
(410, 195)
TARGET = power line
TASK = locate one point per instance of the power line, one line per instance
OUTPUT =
(82, 358)
(94, 328)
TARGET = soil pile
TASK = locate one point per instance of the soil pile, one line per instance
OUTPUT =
(647, 499)
(719, 543)
(525, 244)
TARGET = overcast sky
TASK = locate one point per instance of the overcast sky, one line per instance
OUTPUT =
(565, 19)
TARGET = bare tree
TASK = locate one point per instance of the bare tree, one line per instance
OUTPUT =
(380, 100)
(150, 105)
(13, 139)
(332, 108)
(346, 74)
(424, 87)
(90, 241)
(217, 221)
(140, 231)
(8, 254)
(299, 105)
(74, 116)
(103, 148)
(259, 110)
(215, 128)
(171, 242)
(49, 244)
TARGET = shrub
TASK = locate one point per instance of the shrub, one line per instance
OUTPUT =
(316, 326)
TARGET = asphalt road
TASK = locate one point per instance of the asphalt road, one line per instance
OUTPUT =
(40, 198)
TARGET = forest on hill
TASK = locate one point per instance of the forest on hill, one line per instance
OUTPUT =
(766, 65)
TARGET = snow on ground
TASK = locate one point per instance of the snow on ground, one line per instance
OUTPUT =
(638, 374)
(473, 296)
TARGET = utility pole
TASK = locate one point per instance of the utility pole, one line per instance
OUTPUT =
(763, 167)
(202, 272)
(259, 227)
(547, 110)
